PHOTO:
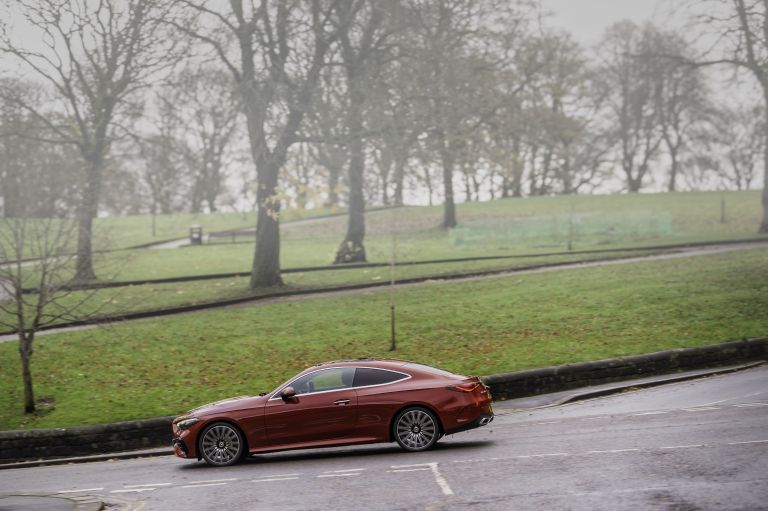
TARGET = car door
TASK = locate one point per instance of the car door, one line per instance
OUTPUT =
(324, 408)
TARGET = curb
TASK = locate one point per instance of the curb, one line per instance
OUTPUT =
(631, 384)
(128, 455)
(600, 372)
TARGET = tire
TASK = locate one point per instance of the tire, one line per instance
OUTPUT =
(221, 444)
(416, 429)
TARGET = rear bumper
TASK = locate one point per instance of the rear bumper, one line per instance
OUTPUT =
(482, 420)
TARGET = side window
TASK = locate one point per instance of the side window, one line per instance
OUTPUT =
(366, 376)
(328, 379)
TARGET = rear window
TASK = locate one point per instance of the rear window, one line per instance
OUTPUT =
(365, 376)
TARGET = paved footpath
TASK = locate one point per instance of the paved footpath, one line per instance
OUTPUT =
(701, 444)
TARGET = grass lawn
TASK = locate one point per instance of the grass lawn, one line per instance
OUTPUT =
(508, 226)
(157, 296)
(165, 366)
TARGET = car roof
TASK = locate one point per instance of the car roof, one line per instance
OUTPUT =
(371, 362)
(385, 363)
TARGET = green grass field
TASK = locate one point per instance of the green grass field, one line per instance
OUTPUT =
(165, 366)
(136, 298)
(509, 226)
(501, 227)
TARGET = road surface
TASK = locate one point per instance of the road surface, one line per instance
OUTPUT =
(701, 444)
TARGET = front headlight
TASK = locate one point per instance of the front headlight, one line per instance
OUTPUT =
(187, 423)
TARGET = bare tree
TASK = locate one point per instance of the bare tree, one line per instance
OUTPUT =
(281, 51)
(361, 44)
(49, 242)
(206, 109)
(734, 145)
(93, 54)
(740, 28)
(27, 185)
(633, 82)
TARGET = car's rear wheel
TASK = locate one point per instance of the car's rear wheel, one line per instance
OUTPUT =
(222, 444)
(416, 429)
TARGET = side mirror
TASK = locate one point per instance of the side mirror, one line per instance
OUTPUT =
(288, 393)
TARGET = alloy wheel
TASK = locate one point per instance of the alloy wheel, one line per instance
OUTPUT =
(222, 445)
(416, 430)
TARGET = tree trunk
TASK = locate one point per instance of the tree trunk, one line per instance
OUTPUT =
(673, 170)
(449, 206)
(87, 211)
(634, 184)
(399, 178)
(385, 170)
(266, 260)
(764, 224)
(333, 184)
(352, 249)
(25, 350)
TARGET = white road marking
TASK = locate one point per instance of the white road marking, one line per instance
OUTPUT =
(409, 469)
(202, 485)
(650, 413)
(551, 422)
(134, 490)
(612, 451)
(542, 455)
(748, 442)
(283, 475)
(701, 408)
(746, 405)
(270, 479)
(76, 491)
(440, 480)
(143, 485)
(213, 481)
(345, 474)
(681, 446)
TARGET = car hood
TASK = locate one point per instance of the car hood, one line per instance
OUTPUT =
(228, 405)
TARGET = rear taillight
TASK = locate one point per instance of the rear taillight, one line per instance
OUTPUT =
(464, 387)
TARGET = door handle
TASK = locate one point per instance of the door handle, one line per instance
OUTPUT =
(341, 402)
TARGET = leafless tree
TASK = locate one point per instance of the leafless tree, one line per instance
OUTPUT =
(50, 243)
(632, 82)
(363, 33)
(28, 186)
(734, 145)
(206, 109)
(739, 29)
(280, 53)
(93, 54)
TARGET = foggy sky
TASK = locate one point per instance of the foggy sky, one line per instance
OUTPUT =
(587, 19)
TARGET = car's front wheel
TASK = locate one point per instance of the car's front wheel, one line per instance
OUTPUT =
(222, 444)
(416, 429)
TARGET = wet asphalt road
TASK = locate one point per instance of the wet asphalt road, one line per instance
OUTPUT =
(701, 444)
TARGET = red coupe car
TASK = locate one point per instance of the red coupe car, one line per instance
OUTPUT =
(337, 403)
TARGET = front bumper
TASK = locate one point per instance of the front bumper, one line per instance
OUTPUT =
(180, 448)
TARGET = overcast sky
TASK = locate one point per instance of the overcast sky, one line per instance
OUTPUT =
(587, 19)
